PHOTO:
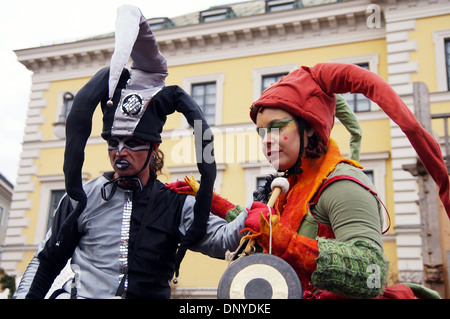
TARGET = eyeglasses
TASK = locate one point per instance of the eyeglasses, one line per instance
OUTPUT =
(277, 126)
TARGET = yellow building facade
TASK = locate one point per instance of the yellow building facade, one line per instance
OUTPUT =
(402, 41)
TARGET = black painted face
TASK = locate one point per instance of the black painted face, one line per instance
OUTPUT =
(128, 155)
(130, 143)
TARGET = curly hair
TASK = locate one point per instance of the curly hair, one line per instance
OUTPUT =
(316, 147)
(157, 162)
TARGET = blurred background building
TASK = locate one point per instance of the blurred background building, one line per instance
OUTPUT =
(224, 57)
(6, 192)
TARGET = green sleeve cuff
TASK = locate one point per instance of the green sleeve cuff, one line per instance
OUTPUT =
(355, 269)
(233, 213)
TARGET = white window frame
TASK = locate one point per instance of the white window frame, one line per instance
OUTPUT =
(2, 213)
(260, 72)
(48, 184)
(3, 223)
(59, 125)
(376, 162)
(439, 49)
(254, 170)
(219, 79)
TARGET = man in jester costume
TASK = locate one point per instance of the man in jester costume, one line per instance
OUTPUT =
(329, 224)
(124, 233)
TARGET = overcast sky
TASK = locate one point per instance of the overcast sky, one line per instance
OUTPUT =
(31, 23)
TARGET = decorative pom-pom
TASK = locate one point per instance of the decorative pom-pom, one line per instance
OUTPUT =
(282, 183)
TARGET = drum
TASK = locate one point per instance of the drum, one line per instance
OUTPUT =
(259, 276)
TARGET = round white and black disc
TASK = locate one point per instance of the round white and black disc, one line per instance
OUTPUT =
(259, 276)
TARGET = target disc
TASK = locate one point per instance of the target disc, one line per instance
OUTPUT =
(259, 276)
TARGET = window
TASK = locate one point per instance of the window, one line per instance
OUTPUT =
(280, 5)
(260, 182)
(447, 61)
(205, 96)
(207, 91)
(68, 101)
(52, 190)
(65, 101)
(358, 102)
(3, 224)
(55, 197)
(369, 174)
(216, 14)
(160, 23)
(255, 176)
(265, 76)
(441, 40)
(268, 80)
(375, 168)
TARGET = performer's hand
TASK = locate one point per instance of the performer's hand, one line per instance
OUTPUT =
(280, 240)
(220, 206)
(254, 215)
(189, 186)
(180, 187)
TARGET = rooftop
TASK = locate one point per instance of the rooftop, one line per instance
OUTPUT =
(6, 184)
(230, 11)
(244, 9)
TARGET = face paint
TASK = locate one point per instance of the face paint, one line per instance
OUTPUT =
(122, 164)
(277, 126)
(130, 143)
(281, 146)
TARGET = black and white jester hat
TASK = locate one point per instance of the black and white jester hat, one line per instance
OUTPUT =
(128, 110)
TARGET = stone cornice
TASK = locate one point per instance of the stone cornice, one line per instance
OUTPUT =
(80, 55)
(284, 31)
(400, 10)
(260, 34)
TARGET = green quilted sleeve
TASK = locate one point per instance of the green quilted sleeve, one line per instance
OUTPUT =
(233, 213)
(355, 269)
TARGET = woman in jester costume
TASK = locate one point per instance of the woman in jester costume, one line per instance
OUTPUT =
(329, 224)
